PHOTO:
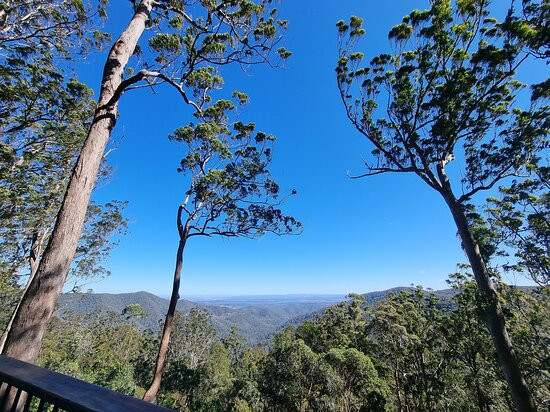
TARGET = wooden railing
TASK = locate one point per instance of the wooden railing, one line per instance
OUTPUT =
(26, 387)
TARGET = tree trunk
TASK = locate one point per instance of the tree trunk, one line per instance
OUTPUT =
(151, 393)
(38, 302)
(492, 310)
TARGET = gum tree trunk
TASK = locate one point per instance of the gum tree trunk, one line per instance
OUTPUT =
(492, 309)
(160, 363)
(38, 302)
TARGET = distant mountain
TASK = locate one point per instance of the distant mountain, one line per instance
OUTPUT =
(257, 318)
(255, 322)
(87, 303)
(445, 297)
(262, 300)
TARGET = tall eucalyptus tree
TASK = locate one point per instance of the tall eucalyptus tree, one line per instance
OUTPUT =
(230, 191)
(449, 92)
(187, 35)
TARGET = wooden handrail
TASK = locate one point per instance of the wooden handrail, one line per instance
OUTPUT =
(61, 391)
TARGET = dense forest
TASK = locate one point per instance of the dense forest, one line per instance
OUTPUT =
(450, 103)
(409, 351)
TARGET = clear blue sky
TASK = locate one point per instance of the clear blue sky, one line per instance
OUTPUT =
(359, 235)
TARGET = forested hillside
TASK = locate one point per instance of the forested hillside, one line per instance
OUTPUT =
(402, 349)
(255, 323)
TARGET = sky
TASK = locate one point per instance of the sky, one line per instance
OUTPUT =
(359, 235)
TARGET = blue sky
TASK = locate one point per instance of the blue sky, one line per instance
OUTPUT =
(359, 235)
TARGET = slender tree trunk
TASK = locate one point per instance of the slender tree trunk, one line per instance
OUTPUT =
(36, 251)
(160, 363)
(38, 302)
(492, 309)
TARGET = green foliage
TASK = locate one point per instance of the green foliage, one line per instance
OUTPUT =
(231, 192)
(528, 316)
(521, 218)
(102, 224)
(471, 348)
(56, 28)
(46, 115)
(214, 34)
(241, 97)
(361, 388)
(296, 379)
(10, 293)
(408, 337)
(341, 326)
(83, 347)
(408, 351)
(166, 43)
(451, 93)
(531, 26)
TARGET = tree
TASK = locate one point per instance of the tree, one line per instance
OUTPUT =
(222, 32)
(340, 326)
(406, 330)
(470, 346)
(361, 389)
(529, 319)
(82, 346)
(230, 192)
(245, 394)
(198, 372)
(193, 336)
(44, 118)
(530, 24)
(450, 91)
(102, 224)
(295, 378)
(215, 380)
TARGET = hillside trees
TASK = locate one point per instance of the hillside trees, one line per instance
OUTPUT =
(449, 92)
(408, 332)
(311, 369)
(230, 191)
(414, 350)
(44, 117)
(82, 346)
(296, 378)
(471, 348)
(187, 35)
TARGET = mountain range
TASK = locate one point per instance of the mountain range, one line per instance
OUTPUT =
(257, 318)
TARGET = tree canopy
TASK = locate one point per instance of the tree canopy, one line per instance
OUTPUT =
(445, 106)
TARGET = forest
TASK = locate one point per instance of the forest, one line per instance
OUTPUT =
(409, 351)
(456, 101)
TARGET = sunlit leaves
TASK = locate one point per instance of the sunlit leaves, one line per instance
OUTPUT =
(46, 116)
(214, 33)
(283, 53)
(400, 32)
(531, 27)
(521, 215)
(203, 78)
(445, 91)
(241, 97)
